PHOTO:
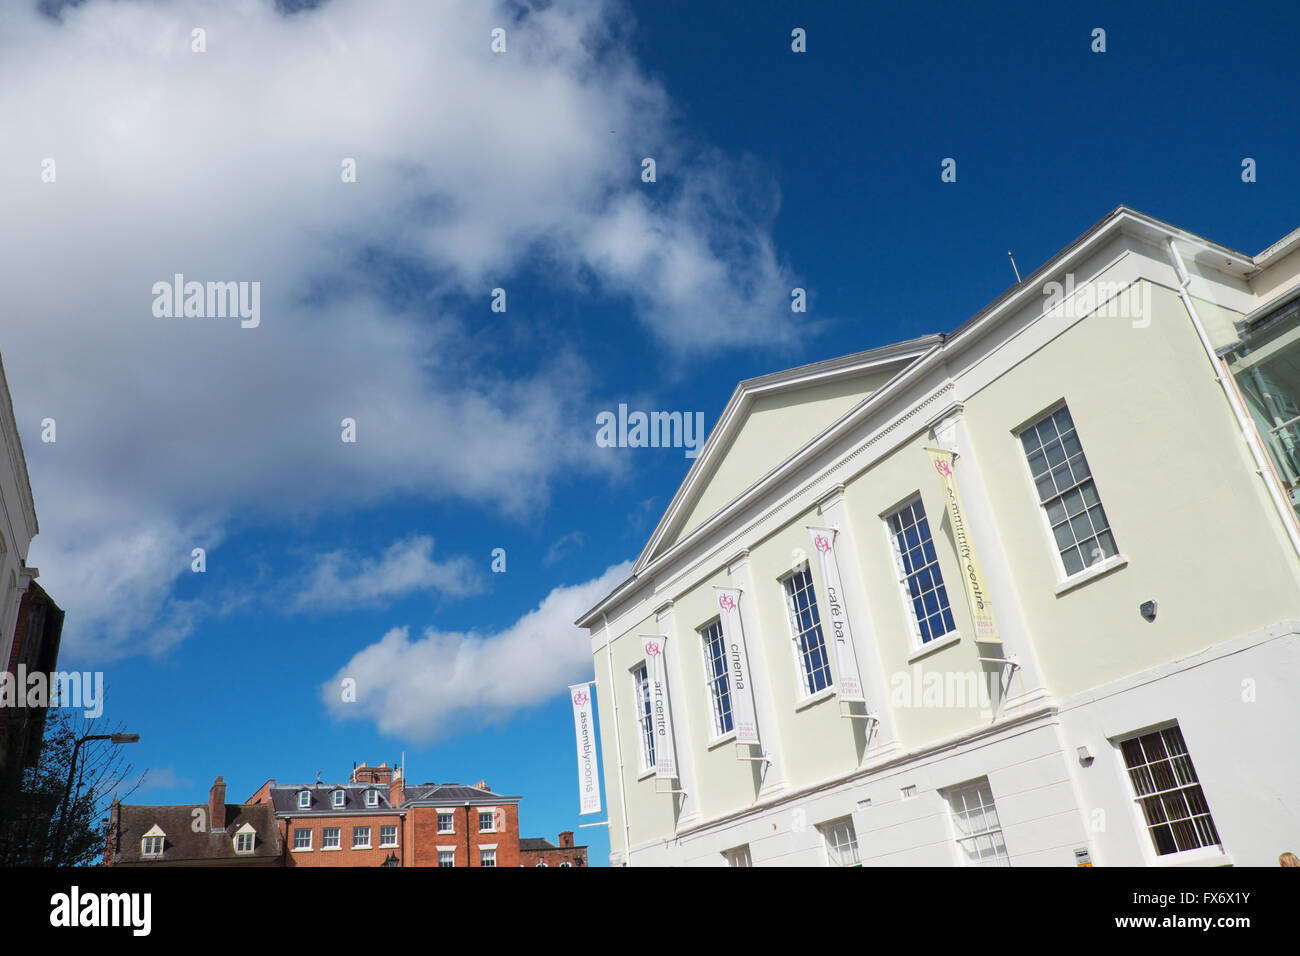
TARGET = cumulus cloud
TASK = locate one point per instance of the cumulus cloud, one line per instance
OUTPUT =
(339, 579)
(225, 166)
(443, 682)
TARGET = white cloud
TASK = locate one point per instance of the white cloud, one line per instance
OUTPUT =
(225, 166)
(444, 682)
(406, 567)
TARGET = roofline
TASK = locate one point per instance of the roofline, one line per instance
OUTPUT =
(1117, 219)
(775, 383)
(1280, 249)
(10, 424)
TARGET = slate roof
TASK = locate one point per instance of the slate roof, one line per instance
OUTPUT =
(536, 843)
(285, 798)
(182, 845)
(449, 793)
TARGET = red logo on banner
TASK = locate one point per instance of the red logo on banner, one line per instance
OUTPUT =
(821, 543)
(727, 602)
(580, 698)
(652, 649)
(942, 467)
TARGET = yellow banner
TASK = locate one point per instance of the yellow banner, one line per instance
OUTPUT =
(977, 594)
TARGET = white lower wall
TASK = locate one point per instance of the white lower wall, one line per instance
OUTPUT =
(1048, 802)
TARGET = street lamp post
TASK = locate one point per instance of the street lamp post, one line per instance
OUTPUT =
(117, 739)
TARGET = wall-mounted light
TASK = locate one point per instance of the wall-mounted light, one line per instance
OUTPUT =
(1148, 610)
(1085, 755)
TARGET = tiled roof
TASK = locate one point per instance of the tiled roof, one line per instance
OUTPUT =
(181, 844)
(536, 843)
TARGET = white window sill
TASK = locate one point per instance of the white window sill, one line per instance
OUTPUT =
(388, 846)
(826, 693)
(1205, 856)
(330, 849)
(302, 849)
(366, 847)
(1093, 571)
(938, 644)
(646, 774)
(726, 738)
(446, 833)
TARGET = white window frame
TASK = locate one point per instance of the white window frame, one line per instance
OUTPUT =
(304, 799)
(644, 716)
(152, 837)
(296, 847)
(449, 813)
(483, 852)
(325, 836)
(383, 843)
(738, 856)
(361, 846)
(492, 819)
(802, 674)
(976, 801)
(919, 644)
(246, 831)
(1065, 577)
(1206, 852)
(338, 799)
(830, 831)
(372, 798)
(444, 851)
(711, 682)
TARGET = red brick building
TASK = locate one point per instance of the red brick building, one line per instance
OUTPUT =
(534, 851)
(376, 819)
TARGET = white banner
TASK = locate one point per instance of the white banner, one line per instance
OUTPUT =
(584, 729)
(742, 691)
(661, 715)
(977, 592)
(845, 656)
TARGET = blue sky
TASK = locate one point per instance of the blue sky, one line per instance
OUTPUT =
(476, 429)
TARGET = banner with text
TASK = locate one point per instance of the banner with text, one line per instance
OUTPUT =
(845, 656)
(977, 594)
(584, 729)
(661, 716)
(742, 691)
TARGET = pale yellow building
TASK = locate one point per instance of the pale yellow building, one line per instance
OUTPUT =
(1121, 433)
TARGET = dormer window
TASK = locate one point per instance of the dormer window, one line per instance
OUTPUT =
(372, 798)
(304, 799)
(336, 799)
(245, 837)
(151, 846)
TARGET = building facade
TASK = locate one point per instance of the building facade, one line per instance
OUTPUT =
(377, 819)
(535, 851)
(1023, 594)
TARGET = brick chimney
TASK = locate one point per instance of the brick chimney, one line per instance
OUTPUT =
(566, 838)
(217, 804)
(381, 774)
(482, 785)
(396, 788)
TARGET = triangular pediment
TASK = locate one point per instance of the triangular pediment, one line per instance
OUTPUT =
(768, 421)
